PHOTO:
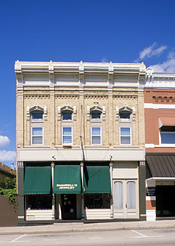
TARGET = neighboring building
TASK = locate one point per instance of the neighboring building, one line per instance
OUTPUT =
(160, 144)
(6, 172)
(80, 140)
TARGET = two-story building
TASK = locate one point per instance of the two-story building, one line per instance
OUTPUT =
(80, 140)
(159, 109)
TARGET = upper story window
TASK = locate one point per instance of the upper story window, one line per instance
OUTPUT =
(125, 135)
(37, 135)
(67, 115)
(125, 116)
(67, 135)
(95, 116)
(37, 115)
(167, 134)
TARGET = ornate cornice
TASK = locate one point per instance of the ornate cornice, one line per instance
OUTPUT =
(36, 96)
(95, 96)
(68, 96)
(132, 97)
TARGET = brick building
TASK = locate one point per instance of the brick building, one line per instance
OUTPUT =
(159, 104)
(80, 140)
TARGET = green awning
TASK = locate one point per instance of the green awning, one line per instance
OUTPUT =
(97, 179)
(67, 179)
(37, 180)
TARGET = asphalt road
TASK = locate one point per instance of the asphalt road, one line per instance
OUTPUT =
(150, 237)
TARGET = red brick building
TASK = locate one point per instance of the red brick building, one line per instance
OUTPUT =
(159, 107)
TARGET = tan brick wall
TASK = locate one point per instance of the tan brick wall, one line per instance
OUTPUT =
(81, 125)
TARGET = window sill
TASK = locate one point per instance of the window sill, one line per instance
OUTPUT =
(67, 146)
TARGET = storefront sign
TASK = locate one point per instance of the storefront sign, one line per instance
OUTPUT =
(66, 186)
(151, 191)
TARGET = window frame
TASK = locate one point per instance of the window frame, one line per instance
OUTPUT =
(68, 135)
(120, 136)
(96, 135)
(37, 135)
(169, 133)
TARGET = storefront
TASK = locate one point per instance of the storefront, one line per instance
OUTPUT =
(62, 192)
(160, 195)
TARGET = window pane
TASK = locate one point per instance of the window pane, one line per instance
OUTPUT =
(37, 116)
(167, 138)
(37, 131)
(96, 131)
(67, 116)
(95, 139)
(125, 140)
(95, 115)
(124, 115)
(131, 195)
(67, 131)
(67, 139)
(37, 140)
(125, 131)
(118, 195)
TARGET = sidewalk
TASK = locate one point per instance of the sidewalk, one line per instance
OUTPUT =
(81, 227)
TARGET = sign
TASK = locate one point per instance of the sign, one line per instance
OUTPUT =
(151, 191)
(66, 186)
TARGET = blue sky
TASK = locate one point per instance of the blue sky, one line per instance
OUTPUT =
(70, 30)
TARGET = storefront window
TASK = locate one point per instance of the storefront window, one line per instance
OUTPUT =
(97, 201)
(39, 202)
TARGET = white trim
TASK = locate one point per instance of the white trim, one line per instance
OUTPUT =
(160, 146)
(157, 106)
(97, 135)
(71, 135)
(37, 135)
(161, 178)
(124, 136)
(149, 145)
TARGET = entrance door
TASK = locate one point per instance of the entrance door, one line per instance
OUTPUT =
(68, 206)
(125, 199)
(165, 200)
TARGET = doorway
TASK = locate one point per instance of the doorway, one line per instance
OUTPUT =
(165, 200)
(68, 206)
(125, 199)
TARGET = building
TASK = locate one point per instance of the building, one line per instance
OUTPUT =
(159, 107)
(80, 141)
(6, 172)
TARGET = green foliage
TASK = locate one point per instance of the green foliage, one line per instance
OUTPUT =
(10, 189)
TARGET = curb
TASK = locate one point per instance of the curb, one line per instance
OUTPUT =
(40, 231)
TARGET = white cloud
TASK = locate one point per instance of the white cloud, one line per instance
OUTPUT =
(151, 51)
(167, 66)
(4, 140)
(104, 59)
(7, 155)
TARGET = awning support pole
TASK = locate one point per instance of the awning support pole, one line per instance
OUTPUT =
(111, 195)
(83, 189)
(53, 196)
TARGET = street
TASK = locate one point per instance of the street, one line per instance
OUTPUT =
(118, 237)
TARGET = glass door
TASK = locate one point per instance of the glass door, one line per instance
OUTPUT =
(125, 199)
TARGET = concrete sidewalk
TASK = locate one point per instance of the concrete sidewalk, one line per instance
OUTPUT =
(81, 227)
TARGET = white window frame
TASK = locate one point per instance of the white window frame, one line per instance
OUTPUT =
(37, 135)
(120, 136)
(97, 135)
(68, 135)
